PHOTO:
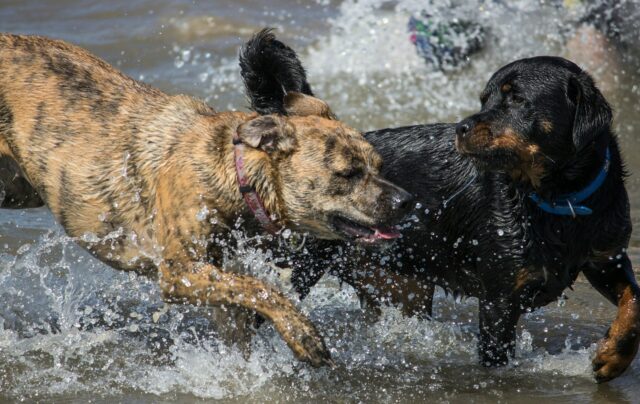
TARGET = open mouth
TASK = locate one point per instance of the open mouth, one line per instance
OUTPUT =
(363, 233)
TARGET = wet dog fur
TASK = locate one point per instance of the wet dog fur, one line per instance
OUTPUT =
(544, 127)
(147, 182)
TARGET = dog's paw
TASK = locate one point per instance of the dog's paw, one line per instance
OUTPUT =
(304, 340)
(614, 355)
(315, 352)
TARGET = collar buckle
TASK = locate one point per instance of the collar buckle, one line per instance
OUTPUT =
(568, 205)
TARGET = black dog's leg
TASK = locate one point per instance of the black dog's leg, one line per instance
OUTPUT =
(498, 320)
(15, 190)
(614, 278)
(304, 278)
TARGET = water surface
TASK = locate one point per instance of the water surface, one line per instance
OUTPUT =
(72, 329)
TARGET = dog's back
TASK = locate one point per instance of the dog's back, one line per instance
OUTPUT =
(87, 138)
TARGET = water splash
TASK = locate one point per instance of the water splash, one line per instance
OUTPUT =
(75, 326)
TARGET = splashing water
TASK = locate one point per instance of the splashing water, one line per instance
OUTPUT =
(71, 327)
(74, 326)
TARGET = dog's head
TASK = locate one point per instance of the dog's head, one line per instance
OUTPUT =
(537, 114)
(325, 174)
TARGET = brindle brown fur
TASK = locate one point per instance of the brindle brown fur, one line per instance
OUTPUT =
(126, 169)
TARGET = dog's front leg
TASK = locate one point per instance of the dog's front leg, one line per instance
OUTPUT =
(616, 281)
(498, 321)
(205, 284)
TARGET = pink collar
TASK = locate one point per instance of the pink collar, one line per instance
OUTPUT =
(249, 193)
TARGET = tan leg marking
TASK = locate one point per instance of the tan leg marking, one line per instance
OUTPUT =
(620, 345)
(207, 284)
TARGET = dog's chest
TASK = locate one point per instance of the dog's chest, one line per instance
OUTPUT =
(124, 249)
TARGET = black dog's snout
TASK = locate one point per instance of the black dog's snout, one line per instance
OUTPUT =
(463, 128)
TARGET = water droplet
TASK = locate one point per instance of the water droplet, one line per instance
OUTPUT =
(202, 214)
(24, 248)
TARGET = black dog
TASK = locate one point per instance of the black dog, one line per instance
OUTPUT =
(516, 200)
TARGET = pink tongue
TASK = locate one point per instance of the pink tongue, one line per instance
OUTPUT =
(386, 234)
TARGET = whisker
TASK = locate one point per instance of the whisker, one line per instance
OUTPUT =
(458, 192)
(545, 156)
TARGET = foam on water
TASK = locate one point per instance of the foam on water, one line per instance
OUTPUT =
(74, 325)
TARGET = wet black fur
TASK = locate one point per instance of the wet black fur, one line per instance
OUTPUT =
(477, 237)
(15, 190)
(269, 69)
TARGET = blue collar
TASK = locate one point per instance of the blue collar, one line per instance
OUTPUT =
(568, 205)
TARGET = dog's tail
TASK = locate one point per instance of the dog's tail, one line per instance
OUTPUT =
(270, 69)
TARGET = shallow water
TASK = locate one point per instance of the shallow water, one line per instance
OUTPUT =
(72, 329)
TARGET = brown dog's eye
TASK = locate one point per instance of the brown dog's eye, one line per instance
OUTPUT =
(349, 174)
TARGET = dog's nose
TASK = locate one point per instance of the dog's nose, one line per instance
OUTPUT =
(401, 202)
(463, 128)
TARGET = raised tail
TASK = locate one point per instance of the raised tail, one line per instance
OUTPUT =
(270, 69)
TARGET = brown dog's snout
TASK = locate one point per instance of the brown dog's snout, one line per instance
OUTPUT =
(397, 205)
(401, 202)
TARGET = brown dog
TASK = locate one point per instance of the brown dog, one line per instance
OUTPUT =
(150, 182)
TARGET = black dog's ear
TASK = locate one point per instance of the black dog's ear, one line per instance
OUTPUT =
(593, 114)
(269, 133)
(270, 69)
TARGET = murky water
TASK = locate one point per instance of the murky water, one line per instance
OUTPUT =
(72, 329)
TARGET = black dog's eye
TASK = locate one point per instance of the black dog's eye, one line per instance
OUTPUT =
(516, 99)
(349, 173)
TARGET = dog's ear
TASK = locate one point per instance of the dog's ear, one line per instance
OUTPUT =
(269, 70)
(304, 105)
(592, 112)
(269, 133)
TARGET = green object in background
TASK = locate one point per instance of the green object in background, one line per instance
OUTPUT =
(448, 43)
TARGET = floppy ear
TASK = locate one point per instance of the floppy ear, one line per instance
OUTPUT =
(593, 114)
(304, 105)
(269, 133)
